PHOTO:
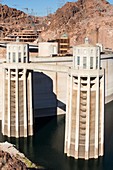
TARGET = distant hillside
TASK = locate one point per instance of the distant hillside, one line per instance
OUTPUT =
(83, 18)
(77, 19)
(12, 20)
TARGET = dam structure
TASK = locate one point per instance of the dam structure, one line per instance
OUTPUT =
(17, 117)
(84, 129)
(78, 86)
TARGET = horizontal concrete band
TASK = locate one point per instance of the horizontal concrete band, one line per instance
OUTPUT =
(52, 68)
(36, 66)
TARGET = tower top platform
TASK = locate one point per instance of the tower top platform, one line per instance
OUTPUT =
(86, 56)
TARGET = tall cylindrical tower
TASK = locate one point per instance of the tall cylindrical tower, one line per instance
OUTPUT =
(17, 117)
(84, 132)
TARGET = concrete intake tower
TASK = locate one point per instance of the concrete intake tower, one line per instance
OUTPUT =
(84, 130)
(17, 117)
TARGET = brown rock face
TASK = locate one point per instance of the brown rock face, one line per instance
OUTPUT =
(10, 163)
(12, 20)
(83, 18)
(91, 18)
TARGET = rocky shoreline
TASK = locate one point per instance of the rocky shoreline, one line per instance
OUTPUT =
(12, 159)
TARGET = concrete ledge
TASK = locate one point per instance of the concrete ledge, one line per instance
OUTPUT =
(108, 98)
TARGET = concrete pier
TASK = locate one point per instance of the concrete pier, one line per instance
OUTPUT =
(84, 134)
(17, 93)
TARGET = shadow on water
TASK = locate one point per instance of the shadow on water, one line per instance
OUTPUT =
(46, 146)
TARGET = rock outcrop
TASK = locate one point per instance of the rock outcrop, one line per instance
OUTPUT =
(8, 162)
(12, 159)
(83, 18)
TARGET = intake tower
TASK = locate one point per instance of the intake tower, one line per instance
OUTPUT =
(84, 130)
(17, 117)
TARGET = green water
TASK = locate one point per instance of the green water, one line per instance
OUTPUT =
(46, 146)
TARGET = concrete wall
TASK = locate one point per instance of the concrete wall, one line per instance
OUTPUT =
(107, 64)
(43, 95)
(48, 49)
(50, 88)
(59, 83)
(1, 91)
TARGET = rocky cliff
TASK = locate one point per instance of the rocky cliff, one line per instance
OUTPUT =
(78, 19)
(83, 18)
(12, 20)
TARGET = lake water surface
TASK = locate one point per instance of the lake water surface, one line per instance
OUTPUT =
(46, 146)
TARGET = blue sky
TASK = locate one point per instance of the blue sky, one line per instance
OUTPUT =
(38, 7)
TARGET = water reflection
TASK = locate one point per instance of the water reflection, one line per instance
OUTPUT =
(46, 146)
